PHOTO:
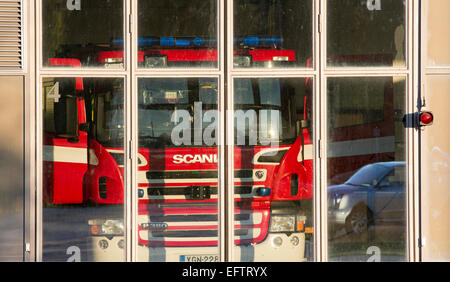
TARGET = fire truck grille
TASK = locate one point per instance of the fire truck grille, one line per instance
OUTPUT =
(194, 217)
(196, 184)
(195, 192)
(175, 225)
(194, 174)
(161, 191)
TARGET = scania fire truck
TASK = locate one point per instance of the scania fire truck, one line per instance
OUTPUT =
(178, 174)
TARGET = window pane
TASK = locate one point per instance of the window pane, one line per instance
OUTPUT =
(366, 169)
(177, 169)
(83, 169)
(272, 33)
(366, 33)
(177, 33)
(84, 33)
(273, 164)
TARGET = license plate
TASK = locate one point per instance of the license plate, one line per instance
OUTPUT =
(199, 258)
(171, 95)
(114, 65)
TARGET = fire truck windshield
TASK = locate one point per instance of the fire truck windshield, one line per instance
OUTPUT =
(264, 112)
(171, 112)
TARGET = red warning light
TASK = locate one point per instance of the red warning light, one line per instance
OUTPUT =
(426, 118)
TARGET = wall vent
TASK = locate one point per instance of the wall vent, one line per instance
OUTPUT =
(11, 50)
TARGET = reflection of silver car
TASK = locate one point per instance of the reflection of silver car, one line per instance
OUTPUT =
(374, 194)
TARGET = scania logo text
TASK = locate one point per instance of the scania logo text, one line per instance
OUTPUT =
(192, 159)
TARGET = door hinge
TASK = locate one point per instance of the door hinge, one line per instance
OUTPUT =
(421, 242)
(130, 149)
(130, 20)
(319, 22)
(319, 148)
(422, 97)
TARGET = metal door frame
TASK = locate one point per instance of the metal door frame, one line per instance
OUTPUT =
(225, 73)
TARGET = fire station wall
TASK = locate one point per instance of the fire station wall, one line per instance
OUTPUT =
(436, 171)
(11, 168)
(436, 14)
(435, 139)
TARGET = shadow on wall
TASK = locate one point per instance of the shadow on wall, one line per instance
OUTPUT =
(11, 168)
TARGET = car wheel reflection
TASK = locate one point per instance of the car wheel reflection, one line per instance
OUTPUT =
(358, 220)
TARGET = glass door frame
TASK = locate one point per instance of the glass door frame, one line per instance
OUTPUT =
(233, 73)
(410, 73)
(125, 74)
(137, 73)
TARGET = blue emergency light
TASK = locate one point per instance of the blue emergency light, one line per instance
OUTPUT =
(154, 41)
(259, 41)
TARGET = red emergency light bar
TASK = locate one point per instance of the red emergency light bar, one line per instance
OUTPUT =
(160, 57)
(185, 55)
(198, 55)
(272, 55)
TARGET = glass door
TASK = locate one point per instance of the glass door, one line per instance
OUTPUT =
(82, 157)
(186, 181)
(177, 128)
(272, 98)
(224, 130)
(367, 67)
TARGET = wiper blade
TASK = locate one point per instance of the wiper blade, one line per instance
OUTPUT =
(353, 184)
(148, 137)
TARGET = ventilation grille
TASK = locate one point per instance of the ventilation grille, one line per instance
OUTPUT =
(10, 35)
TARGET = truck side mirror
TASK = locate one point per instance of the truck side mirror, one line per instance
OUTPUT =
(301, 124)
(66, 117)
(84, 127)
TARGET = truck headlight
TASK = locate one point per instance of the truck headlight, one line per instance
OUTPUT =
(109, 227)
(282, 223)
(242, 61)
(155, 61)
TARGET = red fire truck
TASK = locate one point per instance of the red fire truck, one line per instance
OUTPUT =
(178, 183)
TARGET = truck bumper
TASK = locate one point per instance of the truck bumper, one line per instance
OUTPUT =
(276, 247)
